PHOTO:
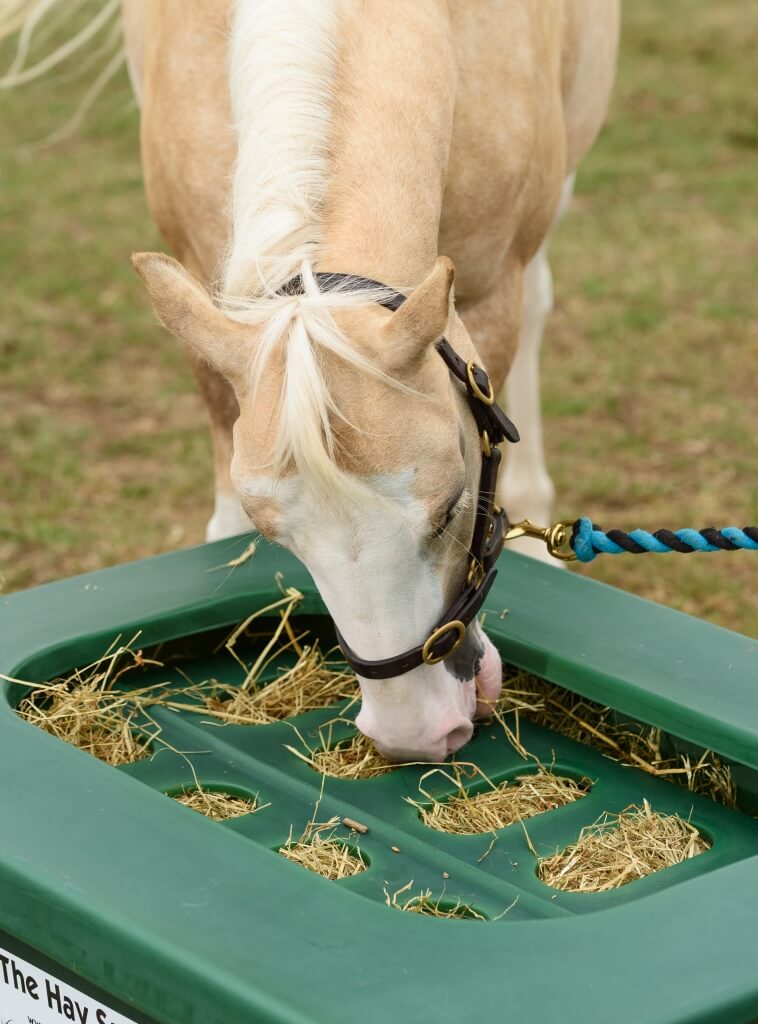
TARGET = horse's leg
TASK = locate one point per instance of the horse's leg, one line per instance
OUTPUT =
(525, 488)
(228, 517)
(222, 409)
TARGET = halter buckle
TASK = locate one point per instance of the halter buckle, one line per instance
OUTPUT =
(475, 574)
(439, 632)
(486, 399)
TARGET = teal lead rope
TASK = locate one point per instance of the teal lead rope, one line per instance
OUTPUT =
(588, 540)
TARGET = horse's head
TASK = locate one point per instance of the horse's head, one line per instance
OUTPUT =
(356, 449)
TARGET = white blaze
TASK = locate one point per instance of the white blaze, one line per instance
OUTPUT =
(374, 572)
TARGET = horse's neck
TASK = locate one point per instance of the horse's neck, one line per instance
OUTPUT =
(390, 140)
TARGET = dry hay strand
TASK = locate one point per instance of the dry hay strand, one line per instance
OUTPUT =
(423, 902)
(357, 759)
(216, 805)
(500, 805)
(114, 724)
(85, 710)
(323, 854)
(354, 759)
(617, 849)
(311, 683)
(597, 726)
(246, 555)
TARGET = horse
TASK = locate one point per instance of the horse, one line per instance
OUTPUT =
(305, 162)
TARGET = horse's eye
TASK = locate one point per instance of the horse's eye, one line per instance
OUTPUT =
(454, 507)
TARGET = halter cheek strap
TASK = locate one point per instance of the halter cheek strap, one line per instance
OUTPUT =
(490, 522)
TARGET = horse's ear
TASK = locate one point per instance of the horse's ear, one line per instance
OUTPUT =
(185, 308)
(422, 318)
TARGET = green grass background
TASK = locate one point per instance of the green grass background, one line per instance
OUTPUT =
(650, 389)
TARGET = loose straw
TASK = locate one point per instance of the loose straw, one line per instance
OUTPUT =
(217, 806)
(86, 710)
(497, 806)
(597, 726)
(423, 902)
(617, 849)
(318, 851)
(93, 709)
(354, 759)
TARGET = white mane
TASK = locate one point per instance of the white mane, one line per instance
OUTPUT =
(282, 73)
(282, 68)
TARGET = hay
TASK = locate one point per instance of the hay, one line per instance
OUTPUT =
(92, 710)
(354, 759)
(310, 684)
(323, 854)
(424, 903)
(113, 723)
(617, 849)
(597, 726)
(216, 805)
(85, 710)
(498, 806)
(246, 555)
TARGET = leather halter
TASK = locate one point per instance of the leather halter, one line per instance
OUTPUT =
(490, 522)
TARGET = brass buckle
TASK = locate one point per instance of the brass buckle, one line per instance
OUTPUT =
(486, 446)
(426, 650)
(486, 399)
(475, 574)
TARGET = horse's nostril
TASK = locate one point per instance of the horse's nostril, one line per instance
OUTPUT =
(459, 737)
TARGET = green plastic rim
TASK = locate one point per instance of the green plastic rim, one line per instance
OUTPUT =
(182, 920)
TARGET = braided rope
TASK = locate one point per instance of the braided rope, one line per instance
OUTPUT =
(588, 540)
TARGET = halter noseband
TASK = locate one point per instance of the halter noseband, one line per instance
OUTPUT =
(489, 521)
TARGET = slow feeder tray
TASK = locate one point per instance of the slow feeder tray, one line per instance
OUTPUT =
(140, 910)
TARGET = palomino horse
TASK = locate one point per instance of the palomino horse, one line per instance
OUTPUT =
(283, 138)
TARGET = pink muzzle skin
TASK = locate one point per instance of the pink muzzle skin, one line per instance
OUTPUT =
(489, 679)
(448, 731)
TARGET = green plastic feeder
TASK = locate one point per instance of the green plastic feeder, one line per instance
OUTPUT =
(118, 905)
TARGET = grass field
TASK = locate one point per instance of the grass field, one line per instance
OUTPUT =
(651, 398)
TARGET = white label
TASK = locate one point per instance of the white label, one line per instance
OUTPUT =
(29, 995)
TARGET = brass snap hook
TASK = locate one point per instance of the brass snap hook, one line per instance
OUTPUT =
(556, 537)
